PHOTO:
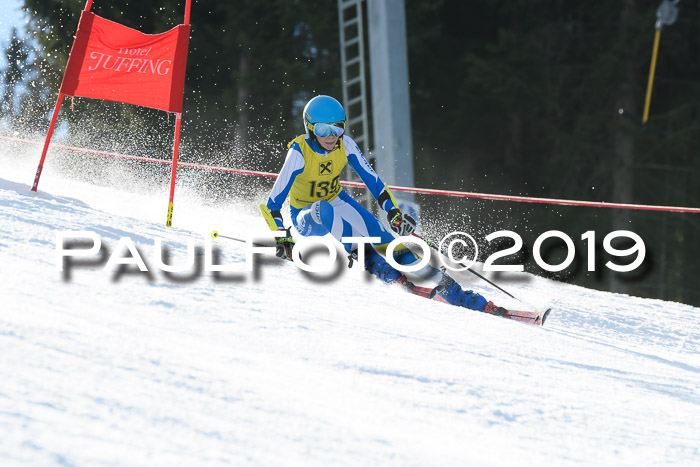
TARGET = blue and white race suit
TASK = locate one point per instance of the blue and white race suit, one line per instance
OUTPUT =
(310, 177)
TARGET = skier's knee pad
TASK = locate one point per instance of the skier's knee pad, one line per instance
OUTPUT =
(315, 219)
(322, 213)
(376, 264)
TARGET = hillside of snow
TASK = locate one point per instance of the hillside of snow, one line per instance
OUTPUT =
(279, 367)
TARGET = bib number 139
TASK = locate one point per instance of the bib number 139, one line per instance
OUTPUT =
(324, 188)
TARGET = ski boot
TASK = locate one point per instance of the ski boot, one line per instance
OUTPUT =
(376, 265)
(453, 294)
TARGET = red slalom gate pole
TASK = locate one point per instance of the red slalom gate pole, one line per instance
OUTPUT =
(56, 109)
(188, 7)
(173, 173)
(176, 144)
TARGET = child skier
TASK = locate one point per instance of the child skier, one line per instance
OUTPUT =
(319, 205)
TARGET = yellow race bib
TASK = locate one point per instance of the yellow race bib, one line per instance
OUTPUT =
(321, 176)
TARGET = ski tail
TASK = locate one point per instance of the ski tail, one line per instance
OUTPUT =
(425, 292)
(537, 318)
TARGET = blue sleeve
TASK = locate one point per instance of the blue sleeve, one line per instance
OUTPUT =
(365, 171)
(293, 166)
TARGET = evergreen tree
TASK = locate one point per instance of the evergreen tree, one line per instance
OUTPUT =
(250, 67)
(518, 97)
(16, 55)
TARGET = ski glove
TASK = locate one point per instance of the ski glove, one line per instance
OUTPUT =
(402, 224)
(284, 245)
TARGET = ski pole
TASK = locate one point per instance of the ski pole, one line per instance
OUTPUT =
(216, 234)
(435, 247)
(666, 15)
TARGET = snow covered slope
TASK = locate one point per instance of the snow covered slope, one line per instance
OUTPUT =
(276, 368)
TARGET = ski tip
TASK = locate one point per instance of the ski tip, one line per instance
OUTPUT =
(268, 217)
(436, 291)
(545, 315)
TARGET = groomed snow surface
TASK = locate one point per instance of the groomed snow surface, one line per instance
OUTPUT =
(99, 367)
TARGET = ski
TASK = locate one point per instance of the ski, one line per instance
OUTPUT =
(425, 292)
(532, 317)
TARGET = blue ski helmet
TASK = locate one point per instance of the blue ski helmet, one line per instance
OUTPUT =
(322, 109)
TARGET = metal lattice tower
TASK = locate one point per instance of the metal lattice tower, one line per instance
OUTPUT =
(353, 72)
(352, 60)
(391, 143)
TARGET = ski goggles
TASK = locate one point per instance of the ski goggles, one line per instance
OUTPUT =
(329, 129)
